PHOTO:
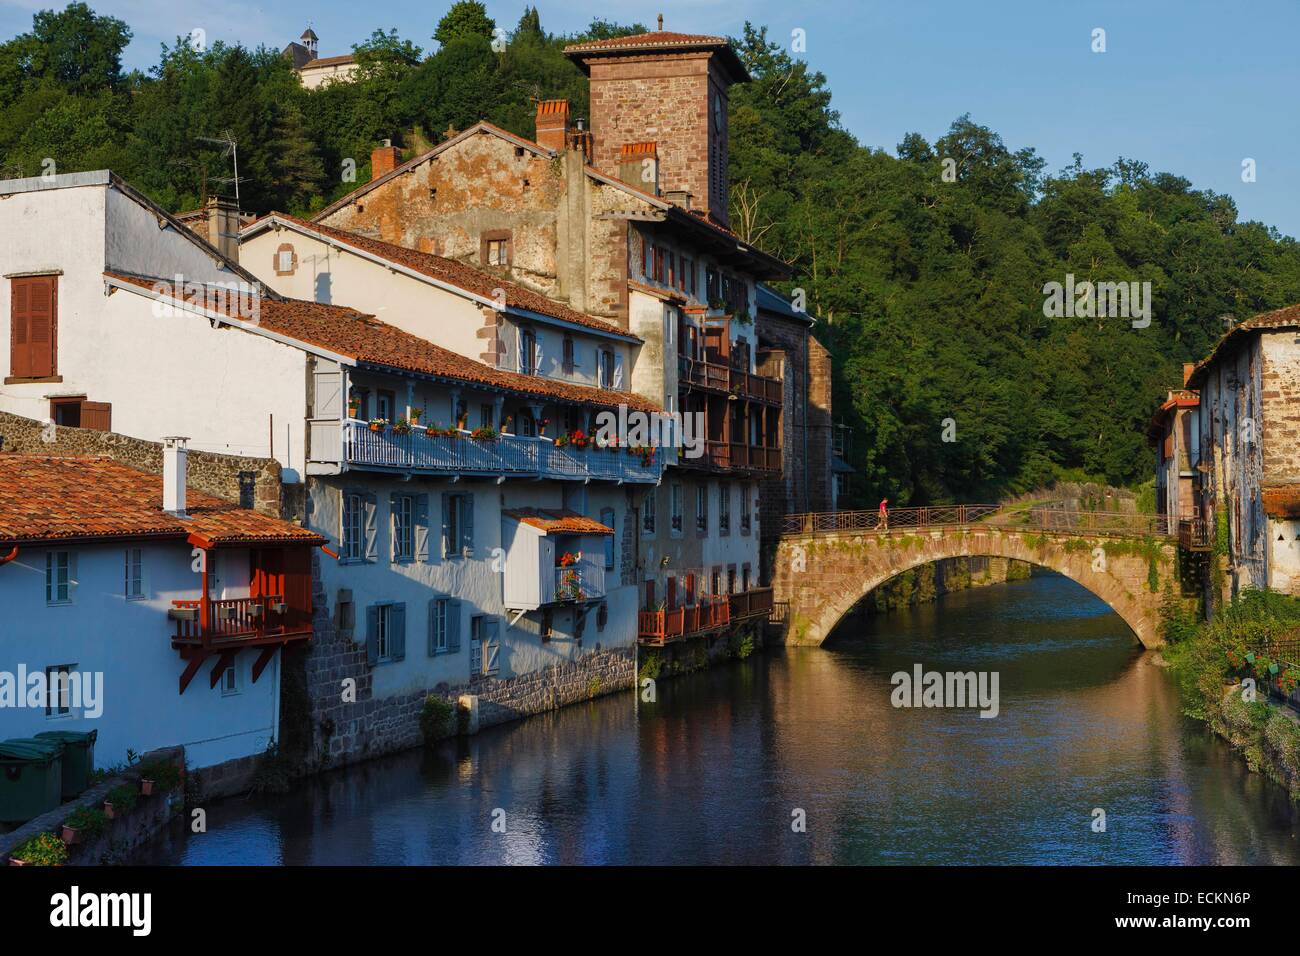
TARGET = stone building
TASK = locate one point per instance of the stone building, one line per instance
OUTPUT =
(1248, 473)
(1174, 435)
(314, 70)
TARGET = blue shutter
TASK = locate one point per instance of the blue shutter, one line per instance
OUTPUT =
(372, 634)
(453, 627)
(467, 524)
(397, 639)
(446, 524)
(393, 506)
(371, 552)
(422, 528)
(433, 627)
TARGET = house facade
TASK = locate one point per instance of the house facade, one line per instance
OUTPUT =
(314, 70)
(627, 222)
(1247, 476)
(156, 617)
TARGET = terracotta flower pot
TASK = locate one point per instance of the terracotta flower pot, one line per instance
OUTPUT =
(108, 811)
(146, 787)
(71, 835)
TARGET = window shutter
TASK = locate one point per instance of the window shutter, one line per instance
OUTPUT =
(618, 371)
(467, 523)
(20, 357)
(397, 640)
(519, 349)
(491, 646)
(41, 325)
(372, 635)
(329, 395)
(372, 529)
(453, 626)
(607, 519)
(598, 367)
(422, 528)
(433, 627)
(446, 524)
(393, 506)
(537, 354)
(97, 415)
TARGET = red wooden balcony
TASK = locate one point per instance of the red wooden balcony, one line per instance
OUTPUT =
(756, 602)
(737, 456)
(674, 624)
(243, 621)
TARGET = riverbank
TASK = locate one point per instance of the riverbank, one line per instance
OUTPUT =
(1232, 676)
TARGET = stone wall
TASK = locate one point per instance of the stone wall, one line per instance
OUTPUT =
(210, 473)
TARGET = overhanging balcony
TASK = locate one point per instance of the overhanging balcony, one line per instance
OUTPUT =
(736, 457)
(361, 446)
(720, 378)
(222, 628)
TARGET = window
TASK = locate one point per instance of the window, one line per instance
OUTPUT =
(731, 579)
(134, 574)
(528, 352)
(744, 576)
(229, 681)
(33, 327)
(702, 508)
(361, 396)
(439, 629)
(403, 507)
(353, 536)
(648, 267)
(724, 507)
(526, 426)
(676, 516)
(744, 511)
(602, 615)
(457, 525)
(567, 359)
(659, 264)
(494, 248)
(385, 405)
(58, 577)
(58, 699)
(286, 261)
(672, 269)
(487, 415)
(715, 581)
(607, 519)
(496, 253)
(485, 646)
(606, 377)
(385, 633)
(648, 512)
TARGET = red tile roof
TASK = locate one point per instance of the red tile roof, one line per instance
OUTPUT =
(662, 41)
(1284, 318)
(328, 61)
(556, 521)
(452, 272)
(363, 338)
(48, 499)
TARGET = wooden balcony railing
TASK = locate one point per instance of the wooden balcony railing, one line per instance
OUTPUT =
(672, 624)
(727, 378)
(737, 456)
(1195, 534)
(237, 620)
(756, 602)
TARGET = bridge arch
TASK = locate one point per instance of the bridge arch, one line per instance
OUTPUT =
(820, 577)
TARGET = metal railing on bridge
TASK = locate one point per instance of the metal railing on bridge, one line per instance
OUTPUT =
(1106, 523)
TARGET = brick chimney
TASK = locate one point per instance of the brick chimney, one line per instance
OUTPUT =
(383, 160)
(221, 226)
(638, 165)
(552, 124)
(1188, 369)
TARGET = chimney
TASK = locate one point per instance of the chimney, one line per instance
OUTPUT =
(174, 472)
(221, 226)
(638, 165)
(383, 160)
(552, 124)
(1188, 369)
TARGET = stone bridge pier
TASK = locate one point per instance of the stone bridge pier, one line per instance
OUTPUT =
(821, 576)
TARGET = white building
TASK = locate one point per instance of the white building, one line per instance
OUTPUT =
(166, 624)
(313, 70)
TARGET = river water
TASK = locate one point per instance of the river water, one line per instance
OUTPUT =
(725, 763)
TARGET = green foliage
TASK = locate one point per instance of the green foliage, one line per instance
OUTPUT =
(273, 771)
(652, 663)
(123, 798)
(465, 19)
(741, 643)
(165, 774)
(89, 821)
(44, 849)
(435, 718)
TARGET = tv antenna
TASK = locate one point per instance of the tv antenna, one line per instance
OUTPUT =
(227, 140)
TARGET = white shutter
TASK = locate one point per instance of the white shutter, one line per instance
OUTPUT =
(519, 349)
(329, 396)
(537, 354)
(618, 370)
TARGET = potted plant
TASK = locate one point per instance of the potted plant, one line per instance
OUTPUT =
(120, 800)
(561, 441)
(401, 427)
(84, 823)
(160, 776)
(416, 414)
(484, 433)
(354, 407)
(44, 849)
(378, 424)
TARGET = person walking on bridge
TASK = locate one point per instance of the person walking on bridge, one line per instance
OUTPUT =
(884, 514)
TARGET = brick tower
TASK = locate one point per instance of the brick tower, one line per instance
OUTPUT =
(669, 90)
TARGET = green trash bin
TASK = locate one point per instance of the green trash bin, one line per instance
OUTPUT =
(78, 758)
(31, 778)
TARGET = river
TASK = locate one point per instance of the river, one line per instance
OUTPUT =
(724, 764)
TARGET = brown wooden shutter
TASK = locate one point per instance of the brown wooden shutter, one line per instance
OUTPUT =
(34, 327)
(97, 415)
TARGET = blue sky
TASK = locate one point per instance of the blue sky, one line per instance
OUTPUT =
(1190, 87)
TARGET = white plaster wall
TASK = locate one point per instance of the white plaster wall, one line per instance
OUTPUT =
(129, 642)
(472, 581)
(1284, 556)
(733, 548)
(136, 240)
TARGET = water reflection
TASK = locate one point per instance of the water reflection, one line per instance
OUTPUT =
(713, 772)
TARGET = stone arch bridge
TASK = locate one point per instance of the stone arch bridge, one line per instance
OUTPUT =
(826, 563)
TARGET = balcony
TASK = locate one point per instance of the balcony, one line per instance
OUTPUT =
(583, 581)
(665, 625)
(221, 628)
(737, 457)
(754, 603)
(360, 446)
(1195, 534)
(726, 378)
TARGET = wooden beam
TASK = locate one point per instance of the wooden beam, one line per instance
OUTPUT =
(227, 658)
(192, 668)
(263, 659)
